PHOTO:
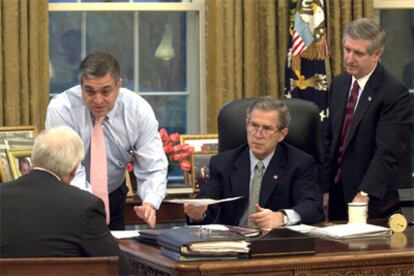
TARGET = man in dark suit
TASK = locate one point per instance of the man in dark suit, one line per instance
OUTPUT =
(41, 215)
(367, 139)
(287, 192)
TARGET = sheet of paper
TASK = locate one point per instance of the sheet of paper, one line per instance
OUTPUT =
(125, 234)
(201, 201)
(302, 228)
(345, 231)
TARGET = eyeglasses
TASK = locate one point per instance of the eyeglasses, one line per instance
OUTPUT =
(265, 130)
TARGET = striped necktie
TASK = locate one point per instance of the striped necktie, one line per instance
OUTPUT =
(349, 114)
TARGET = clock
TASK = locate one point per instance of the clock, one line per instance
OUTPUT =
(397, 223)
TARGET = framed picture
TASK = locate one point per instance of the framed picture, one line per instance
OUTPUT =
(201, 142)
(19, 137)
(200, 169)
(19, 161)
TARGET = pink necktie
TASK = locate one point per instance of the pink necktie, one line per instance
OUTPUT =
(98, 166)
(349, 114)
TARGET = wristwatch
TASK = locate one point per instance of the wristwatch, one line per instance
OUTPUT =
(363, 193)
(285, 217)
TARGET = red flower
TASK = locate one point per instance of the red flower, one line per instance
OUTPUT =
(175, 137)
(176, 152)
(168, 148)
(164, 135)
(185, 165)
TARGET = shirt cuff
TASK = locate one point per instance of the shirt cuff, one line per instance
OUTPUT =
(293, 216)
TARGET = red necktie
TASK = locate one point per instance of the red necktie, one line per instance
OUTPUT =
(98, 166)
(349, 113)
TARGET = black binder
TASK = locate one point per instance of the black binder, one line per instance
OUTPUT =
(282, 241)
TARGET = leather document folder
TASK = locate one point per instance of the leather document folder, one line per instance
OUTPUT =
(282, 241)
(198, 240)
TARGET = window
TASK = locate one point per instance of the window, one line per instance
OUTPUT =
(159, 47)
(397, 18)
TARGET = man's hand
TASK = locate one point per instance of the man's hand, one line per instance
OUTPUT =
(147, 212)
(361, 198)
(266, 219)
(195, 212)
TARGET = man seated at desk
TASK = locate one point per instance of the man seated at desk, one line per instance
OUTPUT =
(274, 178)
(42, 215)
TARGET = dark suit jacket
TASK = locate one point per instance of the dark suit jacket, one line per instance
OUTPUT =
(288, 183)
(377, 155)
(43, 217)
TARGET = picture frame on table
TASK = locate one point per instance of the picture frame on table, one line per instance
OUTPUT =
(202, 143)
(14, 137)
(19, 161)
(200, 169)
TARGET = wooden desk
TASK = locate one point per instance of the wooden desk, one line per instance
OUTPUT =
(168, 212)
(375, 256)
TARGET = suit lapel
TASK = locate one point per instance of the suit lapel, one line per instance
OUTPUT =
(272, 175)
(365, 101)
(240, 178)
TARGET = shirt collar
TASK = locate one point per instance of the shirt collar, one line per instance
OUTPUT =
(254, 160)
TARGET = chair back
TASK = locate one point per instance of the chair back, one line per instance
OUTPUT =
(59, 266)
(304, 129)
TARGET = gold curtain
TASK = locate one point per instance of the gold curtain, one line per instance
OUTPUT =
(24, 59)
(246, 42)
(247, 47)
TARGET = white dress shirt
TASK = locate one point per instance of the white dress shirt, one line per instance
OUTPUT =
(130, 127)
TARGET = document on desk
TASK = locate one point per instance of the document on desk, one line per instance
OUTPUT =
(348, 231)
(125, 234)
(201, 201)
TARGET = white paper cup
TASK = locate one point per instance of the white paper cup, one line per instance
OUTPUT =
(357, 212)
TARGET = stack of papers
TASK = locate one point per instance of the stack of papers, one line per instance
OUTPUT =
(352, 230)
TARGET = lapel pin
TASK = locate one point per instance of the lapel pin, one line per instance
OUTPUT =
(370, 99)
(275, 176)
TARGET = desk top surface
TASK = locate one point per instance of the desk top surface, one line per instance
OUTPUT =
(399, 245)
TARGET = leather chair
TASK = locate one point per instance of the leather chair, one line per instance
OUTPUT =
(304, 129)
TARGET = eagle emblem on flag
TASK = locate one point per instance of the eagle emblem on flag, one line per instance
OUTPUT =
(307, 54)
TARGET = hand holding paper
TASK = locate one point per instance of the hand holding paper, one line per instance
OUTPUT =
(195, 212)
(196, 208)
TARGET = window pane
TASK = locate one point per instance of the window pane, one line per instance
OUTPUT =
(113, 32)
(162, 51)
(171, 112)
(398, 54)
(64, 50)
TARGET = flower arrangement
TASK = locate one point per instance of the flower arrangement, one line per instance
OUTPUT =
(176, 152)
